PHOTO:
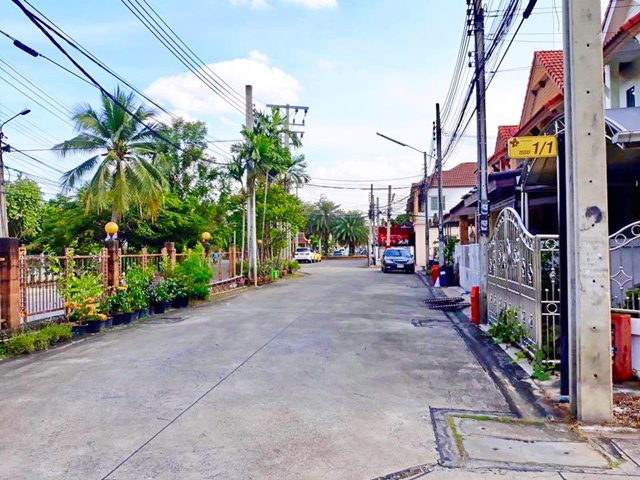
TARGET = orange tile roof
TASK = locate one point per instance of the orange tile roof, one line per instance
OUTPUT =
(505, 132)
(629, 30)
(462, 175)
(553, 62)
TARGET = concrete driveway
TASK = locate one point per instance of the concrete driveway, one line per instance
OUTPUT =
(320, 377)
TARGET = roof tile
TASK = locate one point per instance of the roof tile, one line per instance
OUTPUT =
(553, 62)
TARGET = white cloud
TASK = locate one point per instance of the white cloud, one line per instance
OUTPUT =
(187, 93)
(325, 65)
(316, 3)
(258, 56)
(255, 4)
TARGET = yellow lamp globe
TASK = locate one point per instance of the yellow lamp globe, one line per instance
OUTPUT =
(206, 236)
(111, 228)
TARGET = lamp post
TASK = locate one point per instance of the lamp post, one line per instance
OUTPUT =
(426, 190)
(4, 223)
(206, 236)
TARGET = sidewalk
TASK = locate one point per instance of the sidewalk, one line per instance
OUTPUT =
(475, 444)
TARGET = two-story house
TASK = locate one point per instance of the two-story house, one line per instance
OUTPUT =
(456, 182)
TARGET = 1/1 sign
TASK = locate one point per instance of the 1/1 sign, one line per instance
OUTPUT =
(533, 147)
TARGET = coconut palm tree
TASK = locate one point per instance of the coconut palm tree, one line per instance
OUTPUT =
(124, 167)
(352, 230)
(322, 219)
(295, 172)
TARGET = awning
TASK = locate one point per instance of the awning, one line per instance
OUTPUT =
(625, 122)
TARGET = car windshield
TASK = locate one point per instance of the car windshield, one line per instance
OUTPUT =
(396, 253)
(302, 250)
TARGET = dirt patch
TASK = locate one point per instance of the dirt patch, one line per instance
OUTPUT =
(626, 411)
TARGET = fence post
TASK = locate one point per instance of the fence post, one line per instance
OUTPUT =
(537, 283)
(104, 266)
(68, 253)
(232, 261)
(170, 247)
(113, 263)
(10, 281)
(145, 259)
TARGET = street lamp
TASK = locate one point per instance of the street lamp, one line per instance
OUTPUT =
(4, 224)
(425, 200)
(206, 236)
(112, 229)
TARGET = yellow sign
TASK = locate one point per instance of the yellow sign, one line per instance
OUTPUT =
(533, 147)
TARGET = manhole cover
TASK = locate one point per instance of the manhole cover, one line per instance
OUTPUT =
(166, 320)
(429, 323)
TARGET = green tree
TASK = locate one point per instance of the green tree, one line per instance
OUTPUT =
(351, 229)
(321, 220)
(125, 165)
(403, 219)
(24, 208)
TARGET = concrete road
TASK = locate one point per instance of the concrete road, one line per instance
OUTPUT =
(320, 377)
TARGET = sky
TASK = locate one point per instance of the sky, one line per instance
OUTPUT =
(361, 66)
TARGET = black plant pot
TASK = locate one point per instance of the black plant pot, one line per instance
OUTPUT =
(78, 330)
(94, 326)
(108, 323)
(135, 315)
(143, 313)
(160, 308)
(152, 310)
(180, 302)
(122, 318)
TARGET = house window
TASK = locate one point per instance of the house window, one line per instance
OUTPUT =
(434, 203)
(631, 97)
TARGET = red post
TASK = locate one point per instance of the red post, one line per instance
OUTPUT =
(10, 282)
(435, 273)
(621, 340)
(475, 305)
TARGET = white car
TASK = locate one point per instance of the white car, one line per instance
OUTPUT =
(304, 254)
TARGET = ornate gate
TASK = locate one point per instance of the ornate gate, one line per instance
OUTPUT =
(523, 275)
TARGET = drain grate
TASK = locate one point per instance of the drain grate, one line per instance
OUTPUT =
(166, 320)
(429, 322)
(449, 304)
(447, 300)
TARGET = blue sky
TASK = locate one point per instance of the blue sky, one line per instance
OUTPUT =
(360, 65)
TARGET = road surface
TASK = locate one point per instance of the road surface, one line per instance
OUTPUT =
(319, 377)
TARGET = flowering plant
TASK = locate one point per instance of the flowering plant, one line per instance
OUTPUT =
(118, 300)
(82, 296)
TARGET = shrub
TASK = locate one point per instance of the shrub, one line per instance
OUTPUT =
(195, 274)
(41, 341)
(118, 300)
(56, 332)
(138, 281)
(507, 328)
(158, 293)
(23, 343)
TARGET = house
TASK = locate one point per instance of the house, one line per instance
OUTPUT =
(456, 182)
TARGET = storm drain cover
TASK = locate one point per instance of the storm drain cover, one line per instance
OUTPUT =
(491, 439)
(166, 320)
(429, 323)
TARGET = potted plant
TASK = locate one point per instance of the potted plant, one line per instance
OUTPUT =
(81, 294)
(195, 273)
(138, 281)
(159, 296)
(178, 292)
(96, 322)
(119, 306)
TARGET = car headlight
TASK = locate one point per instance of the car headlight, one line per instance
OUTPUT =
(410, 262)
(388, 260)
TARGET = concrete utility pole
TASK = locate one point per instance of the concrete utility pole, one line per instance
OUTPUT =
(425, 201)
(482, 226)
(287, 108)
(372, 227)
(587, 226)
(251, 194)
(389, 219)
(4, 221)
(439, 159)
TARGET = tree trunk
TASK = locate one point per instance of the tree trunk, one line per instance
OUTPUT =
(252, 240)
(264, 213)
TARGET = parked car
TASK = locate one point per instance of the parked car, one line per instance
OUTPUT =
(398, 260)
(304, 254)
(339, 253)
(317, 257)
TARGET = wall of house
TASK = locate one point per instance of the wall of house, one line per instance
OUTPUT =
(629, 77)
(452, 198)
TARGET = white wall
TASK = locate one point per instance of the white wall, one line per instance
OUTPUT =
(452, 198)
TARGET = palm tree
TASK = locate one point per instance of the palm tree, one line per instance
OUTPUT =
(322, 219)
(125, 174)
(294, 173)
(352, 230)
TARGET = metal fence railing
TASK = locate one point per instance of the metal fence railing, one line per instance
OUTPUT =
(39, 277)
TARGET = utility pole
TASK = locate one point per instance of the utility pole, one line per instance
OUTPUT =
(389, 219)
(439, 160)
(483, 179)
(251, 194)
(372, 227)
(4, 221)
(587, 227)
(287, 108)
(425, 201)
